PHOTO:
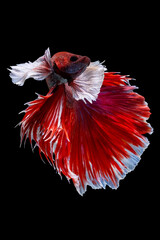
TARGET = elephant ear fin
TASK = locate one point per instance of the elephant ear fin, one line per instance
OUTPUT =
(39, 69)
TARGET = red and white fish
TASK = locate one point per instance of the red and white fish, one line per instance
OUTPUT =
(91, 124)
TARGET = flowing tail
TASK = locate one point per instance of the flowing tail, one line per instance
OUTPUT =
(94, 143)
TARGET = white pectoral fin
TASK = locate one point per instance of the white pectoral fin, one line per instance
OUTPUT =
(87, 85)
(39, 69)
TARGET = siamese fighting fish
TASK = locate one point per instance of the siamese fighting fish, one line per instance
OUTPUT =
(90, 125)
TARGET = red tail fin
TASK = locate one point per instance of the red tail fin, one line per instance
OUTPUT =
(107, 139)
(96, 143)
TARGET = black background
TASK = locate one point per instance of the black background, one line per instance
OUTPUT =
(124, 36)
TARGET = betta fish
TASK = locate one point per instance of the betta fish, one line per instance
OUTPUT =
(90, 125)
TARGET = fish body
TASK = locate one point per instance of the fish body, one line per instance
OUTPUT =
(91, 124)
(66, 67)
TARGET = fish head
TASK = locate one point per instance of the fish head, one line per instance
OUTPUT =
(69, 65)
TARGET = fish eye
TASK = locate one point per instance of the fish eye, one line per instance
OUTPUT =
(73, 58)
